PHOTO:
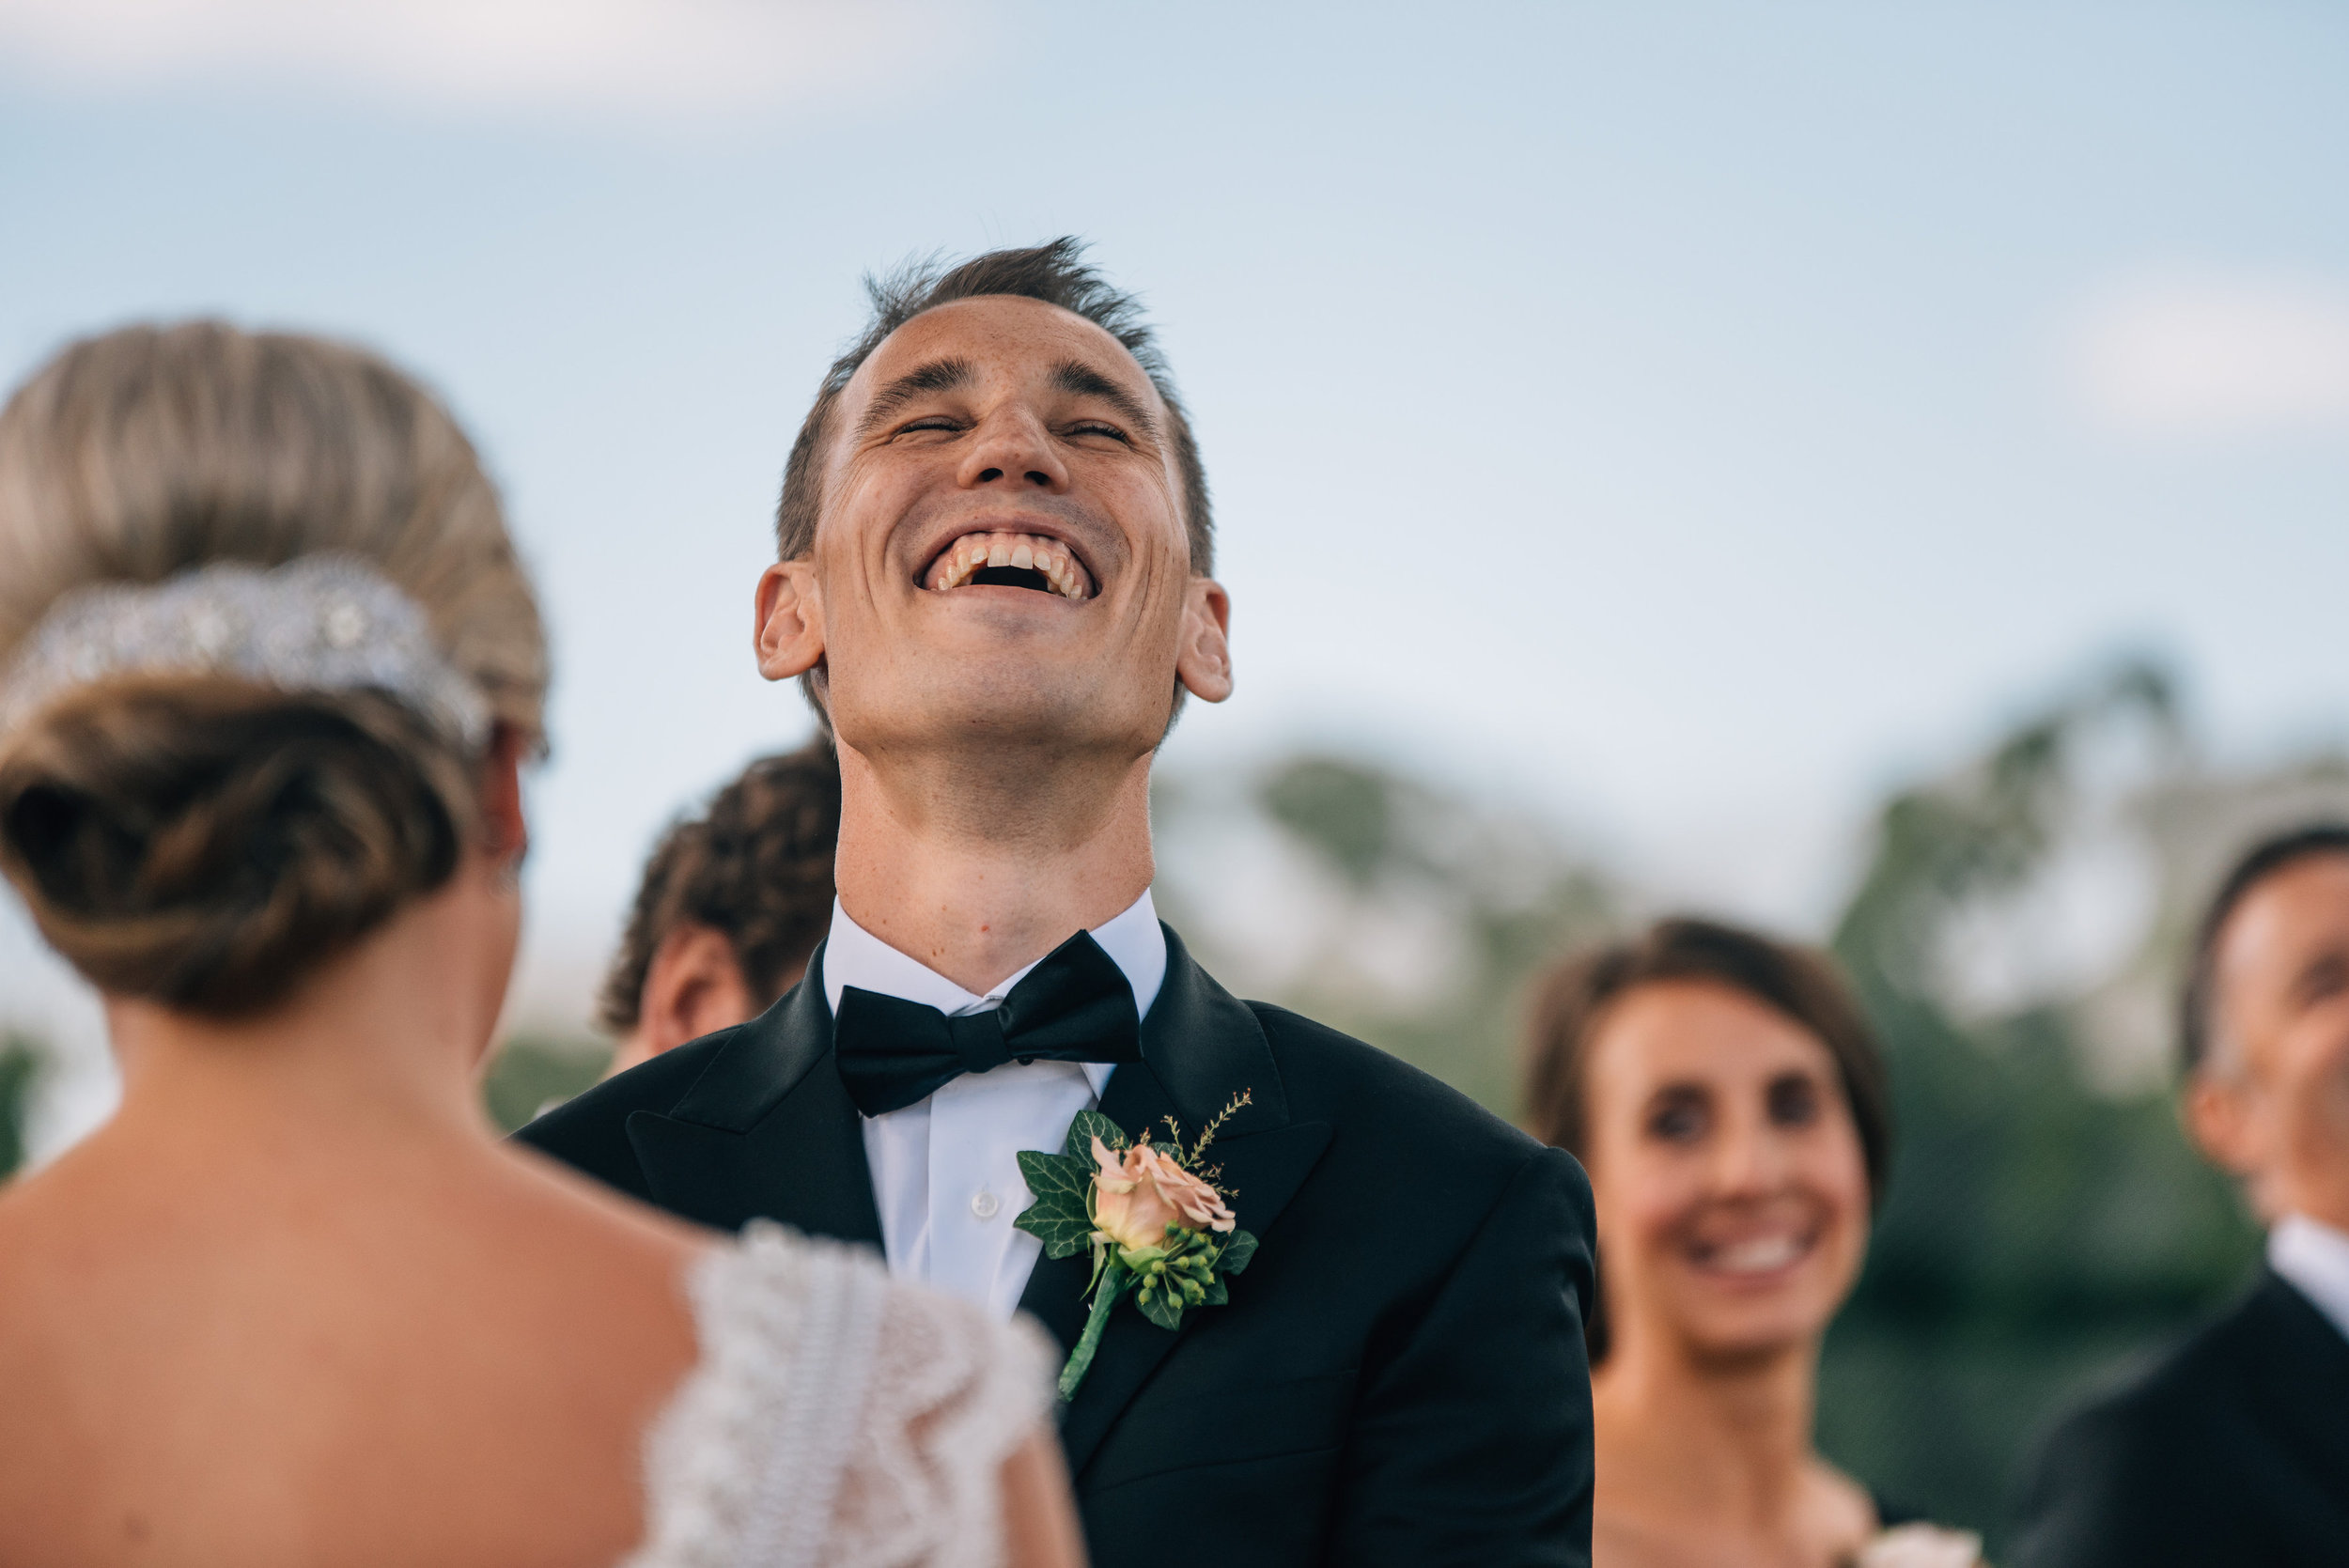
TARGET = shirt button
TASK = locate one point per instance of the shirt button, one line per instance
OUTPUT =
(984, 1203)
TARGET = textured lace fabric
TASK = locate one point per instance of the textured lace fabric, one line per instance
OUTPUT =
(836, 1417)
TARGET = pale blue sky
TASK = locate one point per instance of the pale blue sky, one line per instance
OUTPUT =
(1686, 419)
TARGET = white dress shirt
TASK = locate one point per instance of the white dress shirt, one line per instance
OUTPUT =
(947, 1170)
(2315, 1258)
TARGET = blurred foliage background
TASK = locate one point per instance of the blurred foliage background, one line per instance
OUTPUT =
(537, 1070)
(2046, 1222)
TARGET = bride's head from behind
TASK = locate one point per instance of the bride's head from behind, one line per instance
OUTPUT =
(267, 660)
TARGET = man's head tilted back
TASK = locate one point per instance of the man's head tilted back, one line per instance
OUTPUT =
(994, 530)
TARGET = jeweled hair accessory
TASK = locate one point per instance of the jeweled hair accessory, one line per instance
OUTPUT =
(319, 623)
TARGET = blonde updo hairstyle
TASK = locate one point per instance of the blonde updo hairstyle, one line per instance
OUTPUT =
(204, 842)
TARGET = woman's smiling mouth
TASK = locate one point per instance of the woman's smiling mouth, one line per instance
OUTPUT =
(1752, 1256)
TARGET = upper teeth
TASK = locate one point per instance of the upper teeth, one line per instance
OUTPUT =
(1758, 1255)
(1027, 551)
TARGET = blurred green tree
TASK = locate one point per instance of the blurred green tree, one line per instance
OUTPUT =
(2042, 1227)
(2036, 1233)
(532, 1071)
(1409, 915)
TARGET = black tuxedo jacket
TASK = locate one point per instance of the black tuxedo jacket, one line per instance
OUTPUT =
(2234, 1451)
(1399, 1376)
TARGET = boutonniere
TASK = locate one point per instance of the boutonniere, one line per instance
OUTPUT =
(1159, 1228)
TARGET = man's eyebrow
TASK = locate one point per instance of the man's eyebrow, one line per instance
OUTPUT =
(938, 375)
(1074, 375)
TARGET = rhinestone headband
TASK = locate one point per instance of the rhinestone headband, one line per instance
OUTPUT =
(320, 623)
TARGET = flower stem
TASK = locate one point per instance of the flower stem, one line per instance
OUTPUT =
(1114, 1279)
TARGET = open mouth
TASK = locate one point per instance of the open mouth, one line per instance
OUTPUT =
(1009, 561)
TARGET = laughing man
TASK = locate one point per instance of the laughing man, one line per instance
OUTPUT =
(994, 549)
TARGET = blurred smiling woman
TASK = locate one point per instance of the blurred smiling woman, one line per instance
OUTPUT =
(1730, 1107)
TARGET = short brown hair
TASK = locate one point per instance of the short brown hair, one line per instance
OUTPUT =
(1056, 274)
(205, 842)
(757, 867)
(1572, 999)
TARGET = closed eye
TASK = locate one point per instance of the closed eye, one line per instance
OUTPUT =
(931, 422)
(1094, 428)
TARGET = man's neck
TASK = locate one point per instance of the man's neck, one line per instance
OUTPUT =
(977, 870)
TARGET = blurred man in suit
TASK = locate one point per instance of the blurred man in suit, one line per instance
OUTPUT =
(2234, 1449)
(732, 904)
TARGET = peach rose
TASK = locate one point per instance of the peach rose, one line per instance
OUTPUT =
(1137, 1194)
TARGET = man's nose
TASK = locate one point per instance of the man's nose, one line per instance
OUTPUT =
(1014, 450)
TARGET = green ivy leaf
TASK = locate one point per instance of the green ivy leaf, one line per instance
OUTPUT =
(1162, 1308)
(1217, 1295)
(1236, 1253)
(1058, 1217)
(1089, 1125)
(1060, 1184)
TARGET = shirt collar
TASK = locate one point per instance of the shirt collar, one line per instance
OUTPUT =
(2315, 1258)
(854, 956)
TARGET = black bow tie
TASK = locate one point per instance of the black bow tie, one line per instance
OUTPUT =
(1074, 1006)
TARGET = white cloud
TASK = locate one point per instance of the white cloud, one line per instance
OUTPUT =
(664, 58)
(2214, 354)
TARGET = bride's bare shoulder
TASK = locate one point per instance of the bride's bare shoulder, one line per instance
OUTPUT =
(489, 1334)
(59, 1228)
(561, 1207)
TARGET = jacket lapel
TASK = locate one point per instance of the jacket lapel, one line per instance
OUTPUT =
(1200, 1046)
(2302, 1373)
(767, 1131)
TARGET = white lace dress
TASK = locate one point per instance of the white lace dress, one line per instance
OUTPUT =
(837, 1417)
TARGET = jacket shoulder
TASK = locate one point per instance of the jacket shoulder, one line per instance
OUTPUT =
(1326, 1071)
(2199, 1373)
(1383, 1108)
(589, 1131)
(2149, 1463)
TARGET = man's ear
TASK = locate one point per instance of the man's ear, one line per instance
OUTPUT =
(2219, 1123)
(1203, 662)
(693, 987)
(788, 634)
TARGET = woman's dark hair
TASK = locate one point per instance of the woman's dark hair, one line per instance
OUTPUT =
(1572, 1000)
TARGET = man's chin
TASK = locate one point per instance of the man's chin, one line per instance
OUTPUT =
(1005, 707)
